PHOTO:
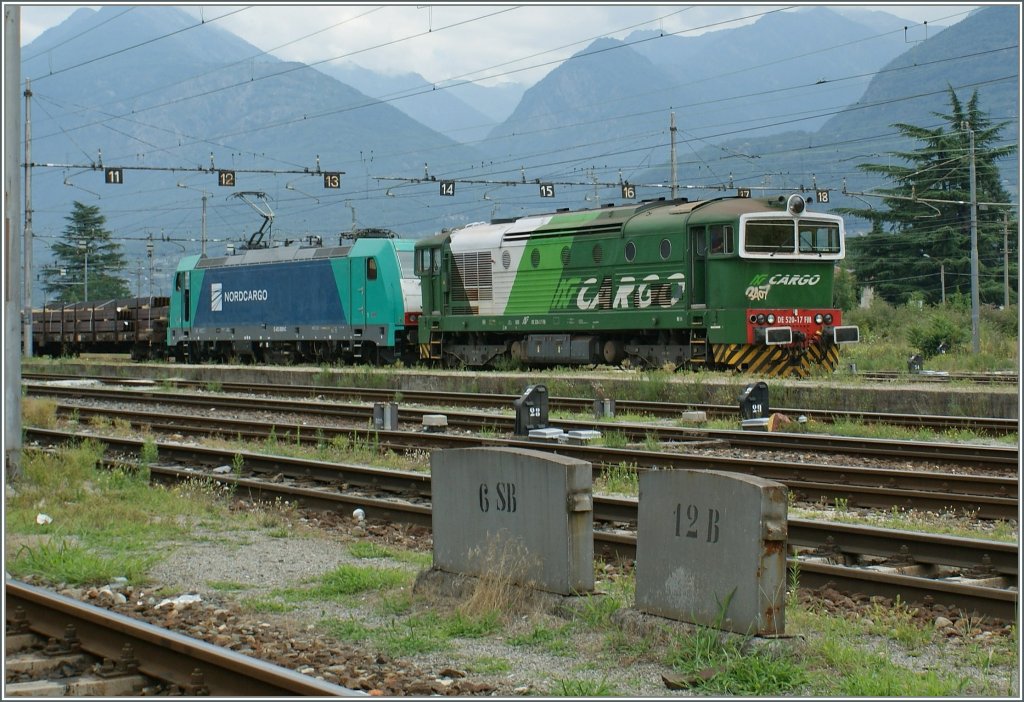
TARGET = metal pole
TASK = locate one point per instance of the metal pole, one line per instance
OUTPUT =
(27, 271)
(12, 244)
(1006, 259)
(672, 134)
(975, 304)
(942, 279)
(202, 250)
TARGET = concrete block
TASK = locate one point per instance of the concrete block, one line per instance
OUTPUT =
(514, 513)
(579, 437)
(548, 434)
(435, 422)
(711, 550)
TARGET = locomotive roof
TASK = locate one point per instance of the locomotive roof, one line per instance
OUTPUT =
(275, 255)
(604, 220)
(301, 253)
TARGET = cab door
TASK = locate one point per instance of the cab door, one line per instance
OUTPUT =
(357, 286)
(698, 267)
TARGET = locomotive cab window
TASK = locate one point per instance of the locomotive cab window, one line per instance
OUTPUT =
(819, 237)
(405, 264)
(770, 237)
(371, 269)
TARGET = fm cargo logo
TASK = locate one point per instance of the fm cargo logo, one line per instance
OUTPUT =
(761, 284)
(218, 297)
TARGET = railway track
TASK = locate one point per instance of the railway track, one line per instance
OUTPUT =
(664, 410)
(970, 574)
(121, 656)
(475, 421)
(998, 377)
(986, 496)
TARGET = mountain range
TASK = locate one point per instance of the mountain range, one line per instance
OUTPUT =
(796, 99)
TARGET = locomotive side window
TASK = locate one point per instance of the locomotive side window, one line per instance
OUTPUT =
(630, 251)
(666, 249)
(819, 237)
(177, 281)
(435, 260)
(422, 261)
(371, 269)
(186, 297)
(721, 238)
(770, 237)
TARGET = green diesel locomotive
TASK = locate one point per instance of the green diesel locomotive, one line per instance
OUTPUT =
(728, 283)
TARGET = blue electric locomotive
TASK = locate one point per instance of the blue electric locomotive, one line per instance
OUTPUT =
(352, 303)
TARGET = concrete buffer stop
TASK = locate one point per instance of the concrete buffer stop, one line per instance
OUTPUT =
(711, 550)
(526, 513)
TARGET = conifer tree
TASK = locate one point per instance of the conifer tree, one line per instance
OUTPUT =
(923, 232)
(85, 245)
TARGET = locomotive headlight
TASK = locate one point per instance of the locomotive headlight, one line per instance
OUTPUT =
(828, 319)
(795, 204)
(818, 318)
(771, 319)
(760, 319)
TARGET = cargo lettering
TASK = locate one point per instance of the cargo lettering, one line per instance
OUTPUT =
(628, 294)
(245, 296)
(218, 296)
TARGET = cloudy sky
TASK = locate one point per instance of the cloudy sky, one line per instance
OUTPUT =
(519, 43)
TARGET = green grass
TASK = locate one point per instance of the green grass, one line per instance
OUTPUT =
(554, 640)
(62, 562)
(612, 438)
(620, 479)
(103, 520)
(422, 632)
(488, 665)
(368, 549)
(716, 663)
(226, 585)
(346, 580)
(952, 523)
(575, 687)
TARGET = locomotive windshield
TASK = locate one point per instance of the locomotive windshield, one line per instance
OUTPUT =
(792, 238)
(406, 263)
